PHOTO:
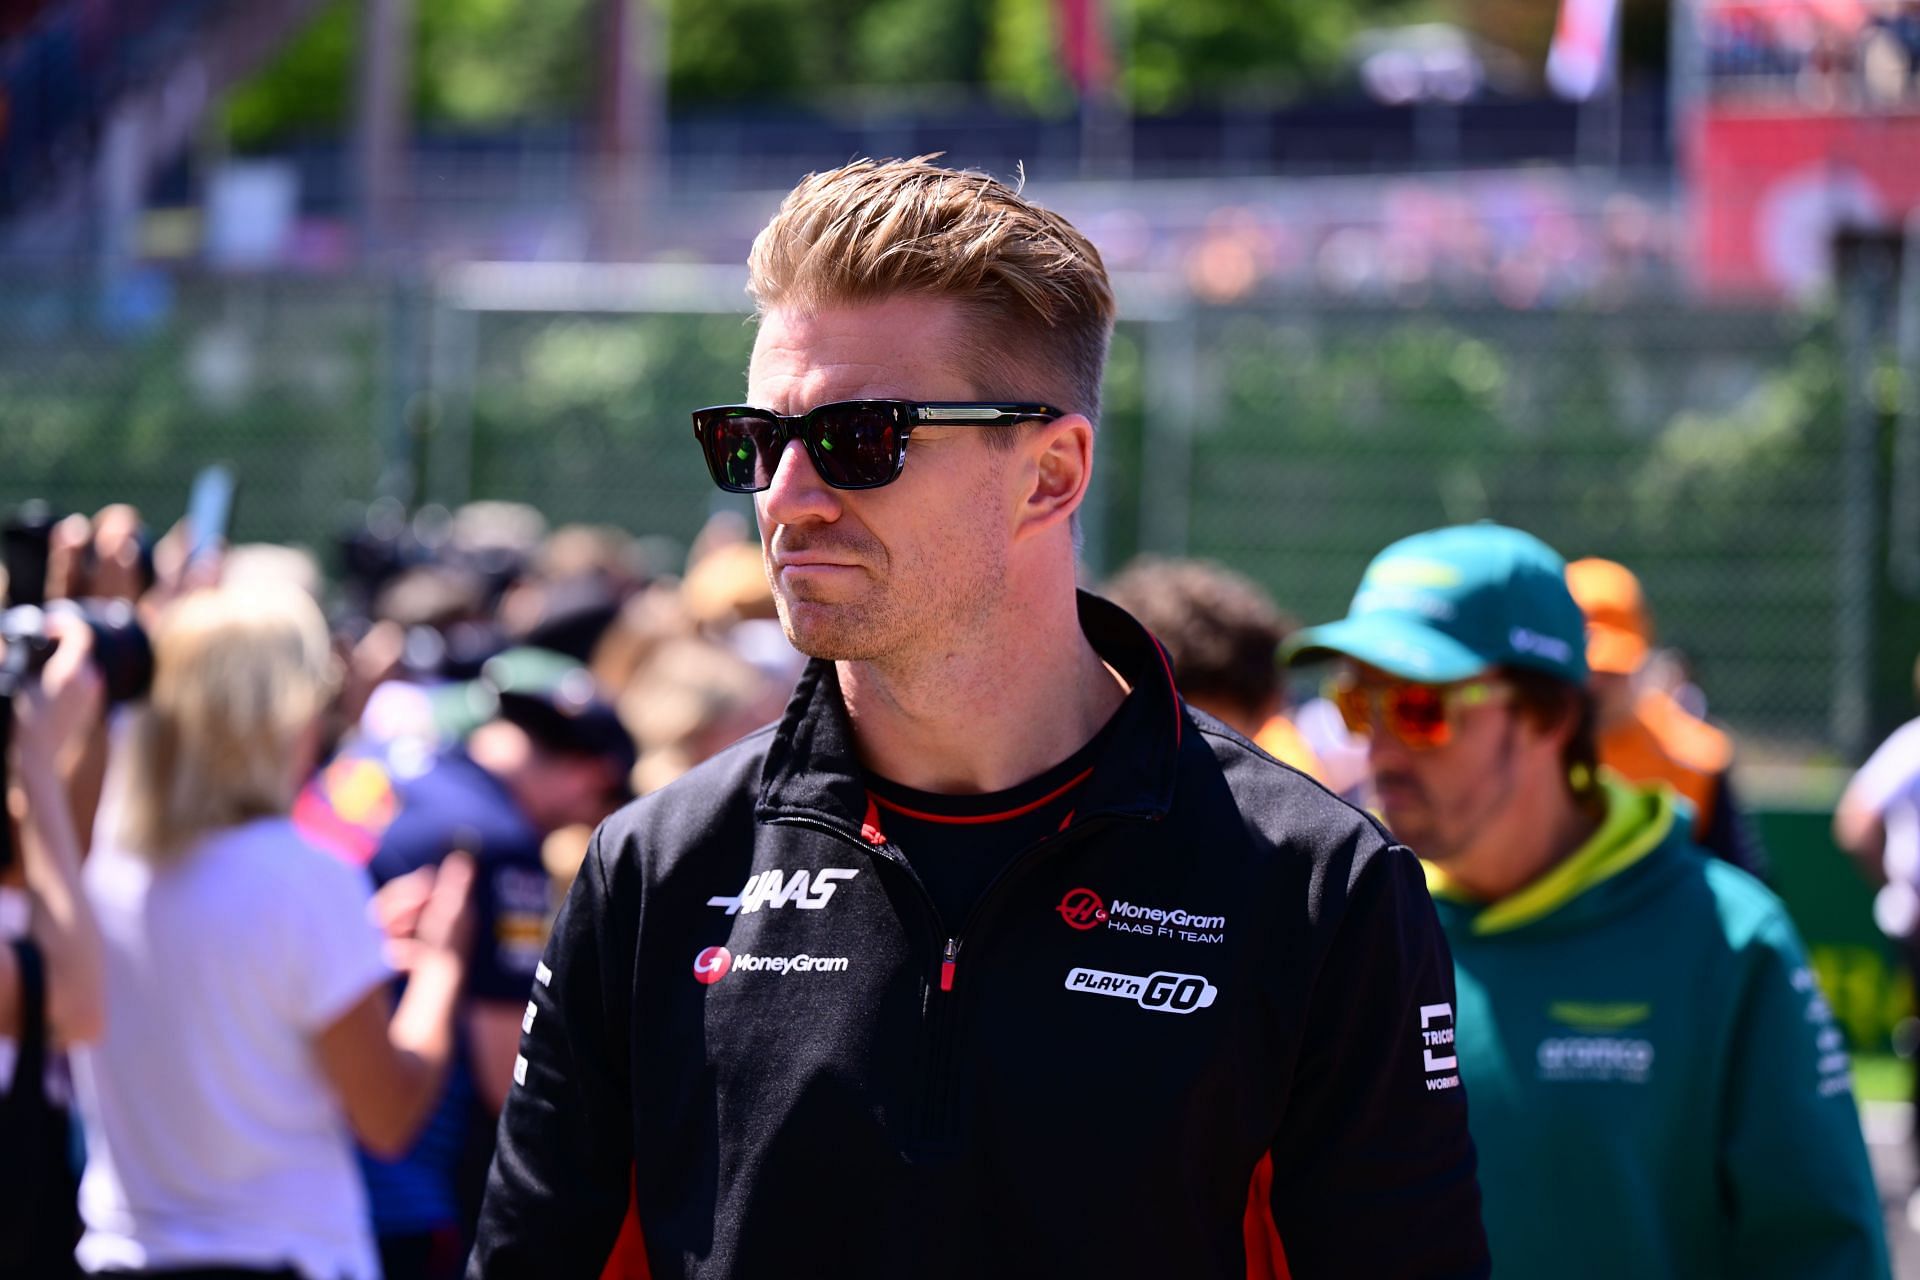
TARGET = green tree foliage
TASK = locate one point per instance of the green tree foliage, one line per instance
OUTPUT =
(302, 89)
(586, 417)
(474, 62)
(494, 61)
(483, 61)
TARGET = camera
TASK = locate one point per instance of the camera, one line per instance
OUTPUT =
(120, 647)
(121, 650)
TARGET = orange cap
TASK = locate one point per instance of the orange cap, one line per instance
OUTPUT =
(1619, 630)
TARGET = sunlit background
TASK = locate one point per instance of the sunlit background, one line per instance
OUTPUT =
(1641, 278)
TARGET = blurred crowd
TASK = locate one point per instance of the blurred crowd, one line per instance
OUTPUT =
(65, 65)
(326, 825)
(1839, 54)
(1522, 241)
(245, 752)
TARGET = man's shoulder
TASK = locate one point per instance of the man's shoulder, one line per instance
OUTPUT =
(1750, 914)
(1687, 740)
(1280, 798)
(1695, 894)
(721, 789)
(1898, 756)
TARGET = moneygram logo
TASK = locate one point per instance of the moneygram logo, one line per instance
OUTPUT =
(1083, 909)
(712, 965)
(716, 963)
(1160, 992)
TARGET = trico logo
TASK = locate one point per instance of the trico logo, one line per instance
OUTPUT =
(1083, 909)
(1161, 992)
(808, 891)
(1436, 1051)
(716, 963)
(712, 965)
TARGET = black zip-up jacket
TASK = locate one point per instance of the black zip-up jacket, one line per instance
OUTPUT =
(750, 1017)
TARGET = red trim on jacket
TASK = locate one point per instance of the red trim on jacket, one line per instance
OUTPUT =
(1266, 1256)
(628, 1261)
(1166, 664)
(977, 819)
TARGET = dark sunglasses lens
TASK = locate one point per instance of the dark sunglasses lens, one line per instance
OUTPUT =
(855, 447)
(741, 451)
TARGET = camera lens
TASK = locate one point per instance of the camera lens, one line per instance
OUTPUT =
(121, 649)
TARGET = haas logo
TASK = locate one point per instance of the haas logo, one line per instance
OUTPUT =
(709, 966)
(774, 888)
(1083, 909)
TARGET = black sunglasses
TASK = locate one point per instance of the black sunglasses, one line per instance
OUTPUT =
(853, 444)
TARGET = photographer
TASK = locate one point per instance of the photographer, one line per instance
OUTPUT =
(252, 1036)
(47, 720)
(50, 957)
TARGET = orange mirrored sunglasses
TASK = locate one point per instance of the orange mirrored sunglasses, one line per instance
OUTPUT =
(1421, 716)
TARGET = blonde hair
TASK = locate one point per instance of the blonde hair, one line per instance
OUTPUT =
(1029, 284)
(239, 676)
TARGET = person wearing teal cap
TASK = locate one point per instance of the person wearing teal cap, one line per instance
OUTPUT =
(1657, 1087)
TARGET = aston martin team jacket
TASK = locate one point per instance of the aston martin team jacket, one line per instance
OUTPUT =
(752, 1033)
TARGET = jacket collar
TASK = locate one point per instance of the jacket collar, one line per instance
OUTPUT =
(813, 772)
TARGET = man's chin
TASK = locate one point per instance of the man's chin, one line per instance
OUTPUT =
(1406, 827)
(831, 633)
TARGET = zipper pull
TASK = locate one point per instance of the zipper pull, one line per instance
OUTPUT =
(946, 964)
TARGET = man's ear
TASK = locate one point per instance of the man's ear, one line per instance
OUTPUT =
(1059, 468)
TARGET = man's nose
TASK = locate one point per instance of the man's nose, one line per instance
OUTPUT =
(797, 493)
(1384, 748)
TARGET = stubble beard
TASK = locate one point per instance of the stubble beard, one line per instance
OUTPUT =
(846, 631)
(900, 621)
(893, 622)
(1455, 823)
(911, 609)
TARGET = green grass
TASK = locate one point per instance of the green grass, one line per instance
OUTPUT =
(1882, 1077)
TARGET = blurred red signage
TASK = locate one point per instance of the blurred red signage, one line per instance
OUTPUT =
(1770, 190)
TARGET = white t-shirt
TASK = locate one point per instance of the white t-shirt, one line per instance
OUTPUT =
(1889, 784)
(212, 1136)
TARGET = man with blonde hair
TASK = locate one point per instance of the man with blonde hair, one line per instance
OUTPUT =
(992, 956)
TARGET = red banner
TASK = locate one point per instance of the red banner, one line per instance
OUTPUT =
(1083, 45)
(1770, 191)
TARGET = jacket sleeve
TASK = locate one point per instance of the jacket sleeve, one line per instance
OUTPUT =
(1797, 1184)
(559, 1185)
(1373, 1168)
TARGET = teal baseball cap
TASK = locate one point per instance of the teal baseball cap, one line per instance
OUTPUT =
(1453, 603)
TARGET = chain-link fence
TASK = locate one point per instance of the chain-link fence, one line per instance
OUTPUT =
(121, 391)
(1703, 449)
(1732, 457)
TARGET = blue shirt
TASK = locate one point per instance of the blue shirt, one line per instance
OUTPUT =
(394, 809)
